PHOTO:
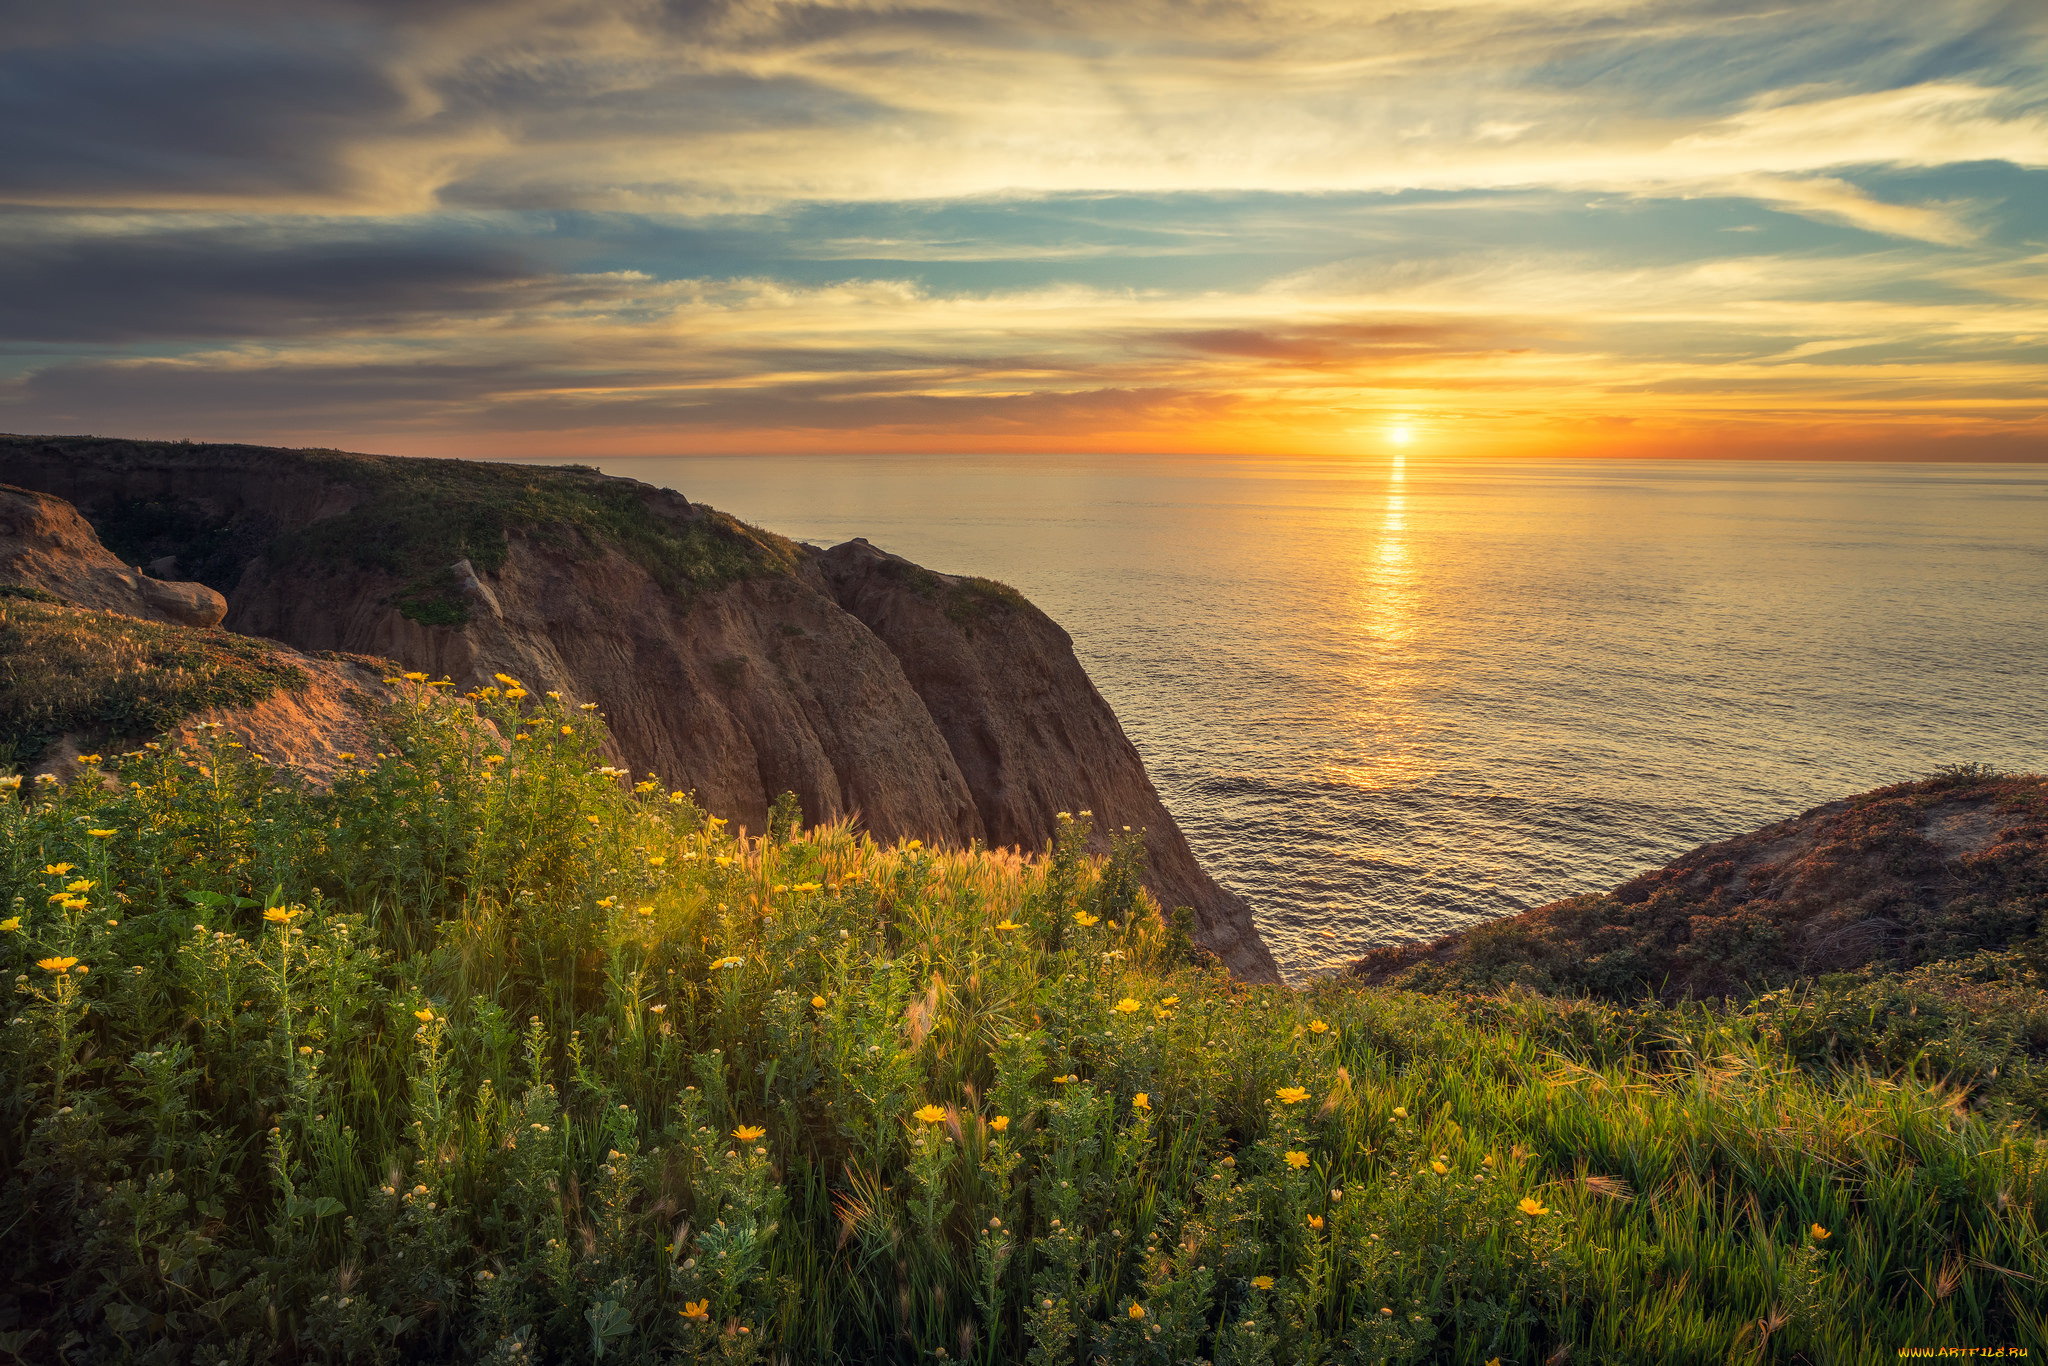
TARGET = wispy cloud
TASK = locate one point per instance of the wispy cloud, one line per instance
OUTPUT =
(1169, 224)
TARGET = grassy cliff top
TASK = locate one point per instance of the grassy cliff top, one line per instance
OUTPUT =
(67, 669)
(408, 519)
(490, 1056)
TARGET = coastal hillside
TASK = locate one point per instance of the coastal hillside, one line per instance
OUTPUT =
(1904, 876)
(722, 657)
(489, 1053)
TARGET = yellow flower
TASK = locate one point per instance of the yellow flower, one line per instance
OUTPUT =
(82, 885)
(75, 903)
(1171, 1001)
(568, 730)
(1084, 920)
(1297, 1160)
(1318, 1027)
(1007, 924)
(1292, 1095)
(1141, 1101)
(747, 1133)
(1532, 1207)
(1062, 1081)
(348, 755)
(55, 964)
(1439, 1168)
(278, 915)
(88, 758)
(507, 679)
(514, 694)
(646, 910)
(817, 1003)
(697, 1309)
(931, 1114)
(728, 963)
(656, 860)
(1315, 1221)
(100, 834)
(1486, 1161)
(1262, 1282)
(10, 924)
(491, 760)
(59, 869)
(415, 677)
(999, 1123)
(1137, 1310)
(1493, 1361)
(1819, 1233)
(1126, 1006)
(424, 1016)
(1400, 1112)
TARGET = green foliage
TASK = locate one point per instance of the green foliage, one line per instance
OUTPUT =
(65, 669)
(491, 1054)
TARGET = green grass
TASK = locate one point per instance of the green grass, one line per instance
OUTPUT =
(104, 675)
(505, 1059)
(415, 518)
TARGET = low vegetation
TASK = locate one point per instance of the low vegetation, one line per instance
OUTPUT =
(494, 1054)
(65, 669)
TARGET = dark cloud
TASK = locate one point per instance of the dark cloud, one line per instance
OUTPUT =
(201, 285)
(188, 114)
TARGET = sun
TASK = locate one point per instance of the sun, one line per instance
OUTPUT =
(1401, 435)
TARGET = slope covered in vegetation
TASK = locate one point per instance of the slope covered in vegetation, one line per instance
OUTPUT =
(494, 1054)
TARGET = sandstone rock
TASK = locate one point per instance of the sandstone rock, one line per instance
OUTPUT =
(1029, 731)
(46, 545)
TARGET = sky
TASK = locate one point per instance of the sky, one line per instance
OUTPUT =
(540, 228)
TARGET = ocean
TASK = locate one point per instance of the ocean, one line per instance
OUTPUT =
(1387, 698)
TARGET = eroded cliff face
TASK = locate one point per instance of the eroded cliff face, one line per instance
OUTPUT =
(1029, 731)
(45, 545)
(725, 660)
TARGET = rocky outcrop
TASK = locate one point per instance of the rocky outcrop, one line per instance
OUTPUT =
(1030, 733)
(1916, 873)
(46, 546)
(726, 660)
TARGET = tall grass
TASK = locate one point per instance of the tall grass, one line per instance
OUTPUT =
(496, 1054)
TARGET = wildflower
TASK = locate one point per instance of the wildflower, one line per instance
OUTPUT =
(1297, 1160)
(75, 903)
(657, 1009)
(278, 915)
(1400, 1112)
(1315, 1221)
(1438, 1167)
(747, 1133)
(697, 1309)
(424, 1016)
(55, 964)
(1084, 920)
(1230, 1162)
(817, 1003)
(81, 969)
(415, 678)
(1318, 1027)
(82, 885)
(930, 1114)
(59, 869)
(1262, 1282)
(10, 924)
(507, 679)
(1126, 1006)
(656, 860)
(1066, 1080)
(1486, 1161)
(999, 1123)
(1292, 1095)
(1141, 1101)
(1532, 1207)
(305, 1050)
(1819, 1234)
(1388, 1312)
(646, 910)
(1137, 1310)
(1171, 1001)
(493, 760)
(12, 782)
(568, 730)
(1008, 924)
(347, 755)
(728, 963)
(514, 694)
(100, 834)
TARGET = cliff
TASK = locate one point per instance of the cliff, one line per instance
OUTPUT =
(727, 660)
(1917, 873)
(46, 546)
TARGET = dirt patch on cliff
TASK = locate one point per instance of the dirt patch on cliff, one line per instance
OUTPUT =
(1918, 873)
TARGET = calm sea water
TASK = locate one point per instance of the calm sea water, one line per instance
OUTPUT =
(1386, 699)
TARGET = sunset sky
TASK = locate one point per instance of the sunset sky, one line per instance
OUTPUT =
(607, 227)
